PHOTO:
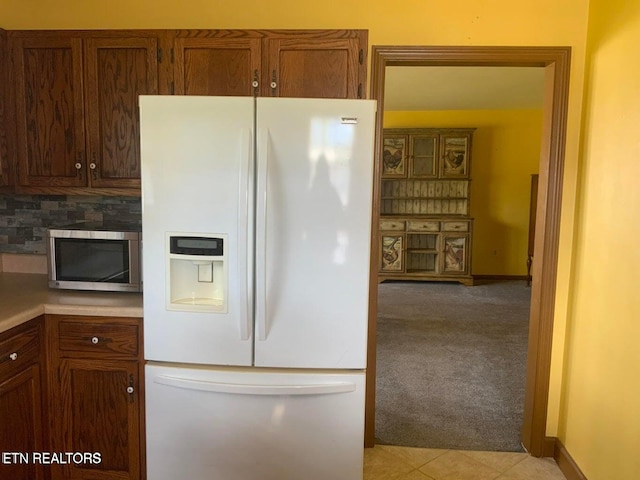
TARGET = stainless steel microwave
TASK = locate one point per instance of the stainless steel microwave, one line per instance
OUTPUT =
(95, 256)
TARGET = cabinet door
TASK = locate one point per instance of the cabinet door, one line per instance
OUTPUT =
(217, 66)
(424, 156)
(455, 151)
(391, 253)
(313, 68)
(117, 70)
(21, 428)
(394, 156)
(98, 414)
(49, 110)
(455, 254)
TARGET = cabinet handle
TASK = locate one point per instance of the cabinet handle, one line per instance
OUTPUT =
(273, 83)
(13, 356)
(95, 340)
(78, 165)
(130, 389)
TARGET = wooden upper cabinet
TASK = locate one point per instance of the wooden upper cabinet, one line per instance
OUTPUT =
(315, 63)
(313, 68)
(72, 96)
(117, 70)
(216, 66)
(49, 111)
(5, 178)
(76, 103)
(286, 63)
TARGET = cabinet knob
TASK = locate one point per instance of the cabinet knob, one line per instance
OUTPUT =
(13, 356)
(78, 166)
(255, 84)
(95, 340)
(92, 166)
(130, 389)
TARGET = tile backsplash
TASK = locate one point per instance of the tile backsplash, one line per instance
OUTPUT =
(25, 218)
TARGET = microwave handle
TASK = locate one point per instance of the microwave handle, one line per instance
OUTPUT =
(51, 261)
(135, 264)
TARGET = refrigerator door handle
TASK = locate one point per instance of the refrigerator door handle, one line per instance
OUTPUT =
(255, 389)
(261, 241)
(244, 202)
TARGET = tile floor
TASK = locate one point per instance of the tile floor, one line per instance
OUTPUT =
(385, 462)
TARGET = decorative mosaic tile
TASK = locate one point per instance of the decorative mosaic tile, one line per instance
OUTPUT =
(24, 219)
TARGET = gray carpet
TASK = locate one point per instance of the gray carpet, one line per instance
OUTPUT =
(451, 364)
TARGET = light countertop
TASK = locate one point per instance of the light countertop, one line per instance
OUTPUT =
(24, 296)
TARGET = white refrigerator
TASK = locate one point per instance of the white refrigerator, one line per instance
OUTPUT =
(256, 219)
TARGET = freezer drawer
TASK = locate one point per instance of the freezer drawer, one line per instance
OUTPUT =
(238, 424)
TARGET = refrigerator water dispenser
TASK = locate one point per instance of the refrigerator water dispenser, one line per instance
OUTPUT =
(196, 272)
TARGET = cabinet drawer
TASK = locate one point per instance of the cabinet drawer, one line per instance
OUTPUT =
(98, 338)
(19, 351)
(423, 226)
(455, 226)
(386, 224)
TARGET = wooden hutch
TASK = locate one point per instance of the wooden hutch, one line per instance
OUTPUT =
(425, 230)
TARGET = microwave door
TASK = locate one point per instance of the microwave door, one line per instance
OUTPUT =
(92, 260)
(94, 263)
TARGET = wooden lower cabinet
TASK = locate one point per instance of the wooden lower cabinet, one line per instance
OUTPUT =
(21, 402)
(96, 372)
(72, 399)
(98, 416)
(426, 249)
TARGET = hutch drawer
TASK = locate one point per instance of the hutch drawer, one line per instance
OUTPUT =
(386, 224)
(455, 226)
(423, 226)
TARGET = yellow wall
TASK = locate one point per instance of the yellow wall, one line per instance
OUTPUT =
(506, 151)
(600, 421)
(403, 22)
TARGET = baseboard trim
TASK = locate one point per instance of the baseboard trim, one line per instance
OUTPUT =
(499, 277)
(567, 464)
(549, 447)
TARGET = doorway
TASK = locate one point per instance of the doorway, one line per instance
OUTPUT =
(555, 60)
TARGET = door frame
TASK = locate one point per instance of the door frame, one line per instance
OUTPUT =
(556, 61)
